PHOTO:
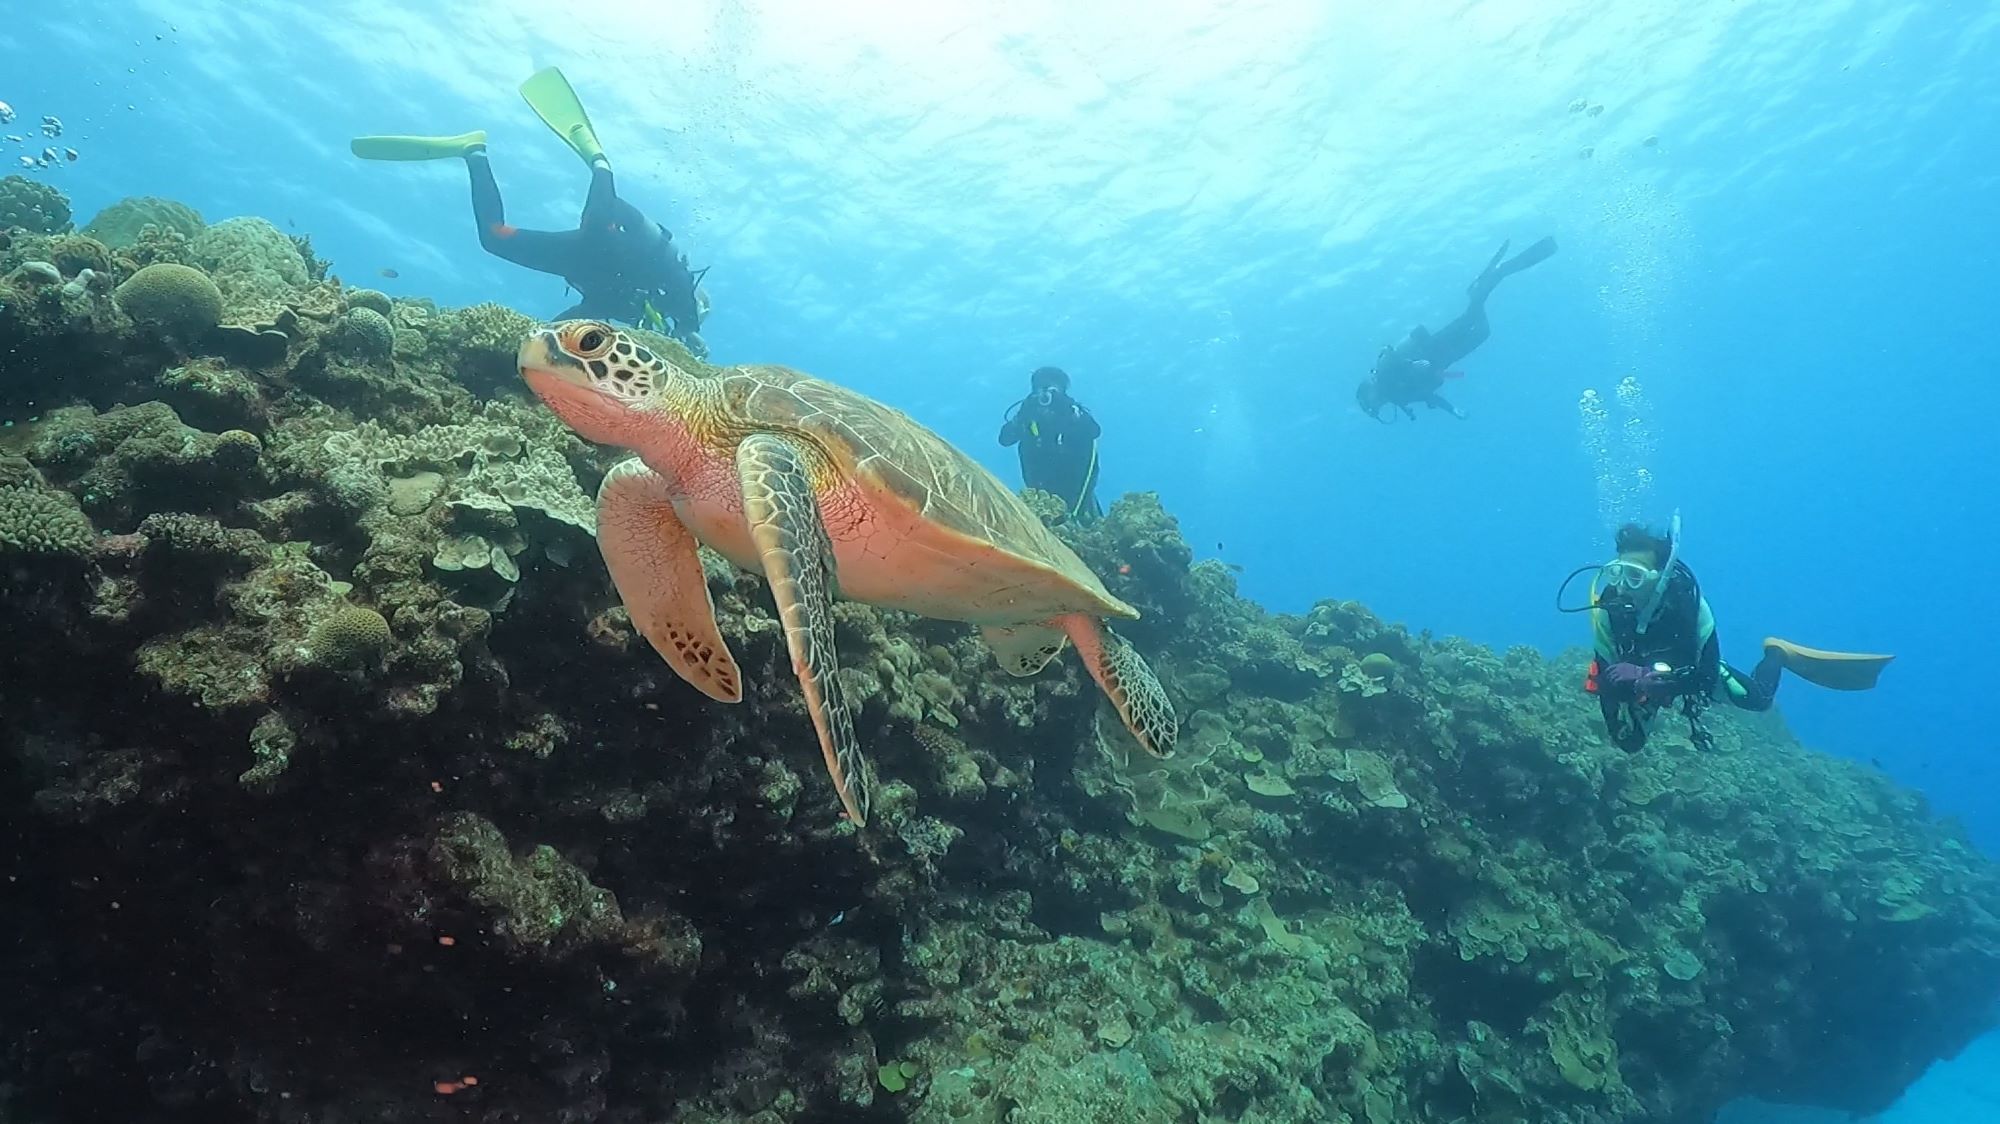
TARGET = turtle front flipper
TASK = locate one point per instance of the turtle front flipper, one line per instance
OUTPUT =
(656, 565)
(1023, 649)
(792, 542)
(1126, 680)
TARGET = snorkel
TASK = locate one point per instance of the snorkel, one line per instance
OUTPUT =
(1651, 611)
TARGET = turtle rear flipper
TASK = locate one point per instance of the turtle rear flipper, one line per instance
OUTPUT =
(797, 554)
(656, 566)
(1126, 680)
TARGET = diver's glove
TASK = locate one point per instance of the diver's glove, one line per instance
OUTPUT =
(1636, 683)
(1621, 681)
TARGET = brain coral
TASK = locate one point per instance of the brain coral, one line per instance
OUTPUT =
(120, 225)
(41, 521)
(367, 333)
(174, 300)
(32, 206)
(370, 298)
(74, 253)
(350, 636)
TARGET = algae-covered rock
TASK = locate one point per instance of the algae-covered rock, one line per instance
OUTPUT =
(214, 395)
(272, 743)
(541, 905)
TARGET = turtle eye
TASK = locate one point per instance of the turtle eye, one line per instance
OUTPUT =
(593, 341)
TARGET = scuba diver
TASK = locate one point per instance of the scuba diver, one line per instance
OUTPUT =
(622, 266)
(1655, 641)
(1058, 440)
(1416, 369)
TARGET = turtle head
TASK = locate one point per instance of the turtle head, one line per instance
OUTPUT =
(596, 378)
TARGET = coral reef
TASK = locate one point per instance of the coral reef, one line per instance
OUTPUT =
(336, 785)
(32, 206)
(123, 224)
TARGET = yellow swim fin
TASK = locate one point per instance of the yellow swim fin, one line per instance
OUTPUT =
(417, 148)
(1842, 671)
(549, 94)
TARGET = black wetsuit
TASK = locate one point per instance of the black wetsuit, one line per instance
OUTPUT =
(615, 259)
(1683, 636)
(1414, 371)
(1058, 446)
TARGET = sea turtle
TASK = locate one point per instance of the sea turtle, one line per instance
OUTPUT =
(821, 490)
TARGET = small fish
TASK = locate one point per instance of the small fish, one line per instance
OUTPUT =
(6, 113)
(389, 273)
(15, 138)
(71, 155)
(52, 126)
(50, 155)
(28, 162)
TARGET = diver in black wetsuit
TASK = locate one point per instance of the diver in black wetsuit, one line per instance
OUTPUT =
(622, 266)
(1058, 443)
(1655, 643)
(1416, 369)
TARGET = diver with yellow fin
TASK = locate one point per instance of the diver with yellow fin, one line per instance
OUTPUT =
(622, 266)
(1655, 642)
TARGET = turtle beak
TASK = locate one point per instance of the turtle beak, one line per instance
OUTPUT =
(561, 381)
(543, 361)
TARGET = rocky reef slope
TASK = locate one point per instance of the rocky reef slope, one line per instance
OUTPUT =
(335, 786)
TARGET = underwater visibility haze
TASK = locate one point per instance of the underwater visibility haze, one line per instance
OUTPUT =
(370, 750)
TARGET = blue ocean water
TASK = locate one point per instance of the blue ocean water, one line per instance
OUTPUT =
(1775, 219)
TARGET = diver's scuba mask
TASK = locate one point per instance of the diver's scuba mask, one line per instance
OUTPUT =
(1626, 576)
(1629, 584)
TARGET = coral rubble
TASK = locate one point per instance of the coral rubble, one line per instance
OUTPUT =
(335, 785)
